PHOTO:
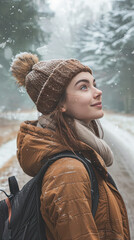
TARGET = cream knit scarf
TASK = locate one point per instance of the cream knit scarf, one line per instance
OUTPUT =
(87, 135)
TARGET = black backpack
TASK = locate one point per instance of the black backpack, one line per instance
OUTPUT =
(20, 217)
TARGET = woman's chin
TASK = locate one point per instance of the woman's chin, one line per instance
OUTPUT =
(100, 114)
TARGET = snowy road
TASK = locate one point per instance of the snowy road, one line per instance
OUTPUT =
(122, 170)
(7, 151)
(122, 143)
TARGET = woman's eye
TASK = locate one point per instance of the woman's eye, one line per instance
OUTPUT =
(83, 87)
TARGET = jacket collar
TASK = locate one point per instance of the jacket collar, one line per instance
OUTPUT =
(35, 143)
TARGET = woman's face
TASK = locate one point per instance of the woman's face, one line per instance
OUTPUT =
(81, 94)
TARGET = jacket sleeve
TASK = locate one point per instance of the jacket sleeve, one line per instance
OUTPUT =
(66, 201)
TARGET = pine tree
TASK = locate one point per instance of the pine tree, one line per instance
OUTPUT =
(108, 47)
(123, 45)
(21, 30)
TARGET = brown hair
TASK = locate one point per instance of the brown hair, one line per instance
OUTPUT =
(65, 128)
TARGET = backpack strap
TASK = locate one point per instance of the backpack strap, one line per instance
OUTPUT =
(89, 168)
(110, 180)
(13, 185)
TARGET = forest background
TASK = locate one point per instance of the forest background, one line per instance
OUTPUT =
(100, 35)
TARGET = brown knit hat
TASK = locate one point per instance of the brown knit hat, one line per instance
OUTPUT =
(45, 81)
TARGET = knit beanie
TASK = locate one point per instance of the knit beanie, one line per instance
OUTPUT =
(45, 81)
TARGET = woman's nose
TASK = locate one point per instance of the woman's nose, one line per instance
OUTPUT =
(98, 92)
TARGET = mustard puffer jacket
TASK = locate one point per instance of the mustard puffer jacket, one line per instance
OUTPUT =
(66, 189)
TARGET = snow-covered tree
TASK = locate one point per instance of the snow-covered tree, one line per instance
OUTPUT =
(108, 48)
(68, 19)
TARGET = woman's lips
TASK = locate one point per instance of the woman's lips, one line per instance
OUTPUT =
(97, 105)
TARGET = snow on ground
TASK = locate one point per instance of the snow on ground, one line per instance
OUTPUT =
(20, 116)
(125, 122)
(122, 126)
(7, 151)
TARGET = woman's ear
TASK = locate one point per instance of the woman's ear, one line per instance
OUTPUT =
(63, 109)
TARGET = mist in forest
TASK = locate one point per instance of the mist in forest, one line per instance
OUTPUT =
(100, 34)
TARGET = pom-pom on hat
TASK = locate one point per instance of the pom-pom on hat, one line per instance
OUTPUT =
(45, 81)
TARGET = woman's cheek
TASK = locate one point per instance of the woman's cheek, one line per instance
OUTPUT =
(75, 100)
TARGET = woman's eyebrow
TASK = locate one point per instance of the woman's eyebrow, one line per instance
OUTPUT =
(84, 80)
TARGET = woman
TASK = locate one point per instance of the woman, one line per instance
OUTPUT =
(65, 92)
